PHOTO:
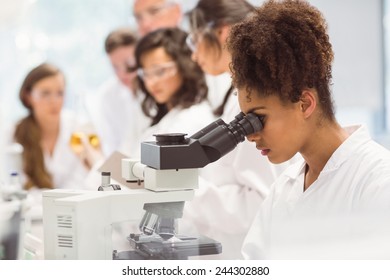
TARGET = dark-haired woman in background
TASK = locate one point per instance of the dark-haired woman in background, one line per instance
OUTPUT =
(173, 85)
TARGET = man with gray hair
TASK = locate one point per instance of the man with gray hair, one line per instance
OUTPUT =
(154, 14)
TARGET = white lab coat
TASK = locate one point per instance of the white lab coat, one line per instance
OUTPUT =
(231, 190)
(115, 112)
(177, 120)
(343, 214)
(218, 86)
(67, 170)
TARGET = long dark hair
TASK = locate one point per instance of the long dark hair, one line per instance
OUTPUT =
(210, 14)
(193, 89)
(28, 133)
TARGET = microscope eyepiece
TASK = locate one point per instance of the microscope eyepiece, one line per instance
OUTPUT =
(205, 146)
(243, 125)
(218, 138)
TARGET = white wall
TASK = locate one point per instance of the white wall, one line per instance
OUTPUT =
(356, 33)
(355, 30)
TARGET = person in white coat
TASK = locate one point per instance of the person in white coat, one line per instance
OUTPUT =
(47, 159)
(115, 109)
(335, 202)
(173, 86)
(174, 97)
(151, 15)
(232, 198)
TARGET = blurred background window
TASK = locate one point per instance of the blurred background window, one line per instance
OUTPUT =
(71, 33)
(67, 33)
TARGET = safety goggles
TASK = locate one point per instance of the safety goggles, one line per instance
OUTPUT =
(46, 95)
(158, 72)
(194, 38)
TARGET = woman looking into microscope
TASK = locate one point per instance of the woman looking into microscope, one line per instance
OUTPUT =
(235, 197)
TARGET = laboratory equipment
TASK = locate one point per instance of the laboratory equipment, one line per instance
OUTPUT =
(78, 224)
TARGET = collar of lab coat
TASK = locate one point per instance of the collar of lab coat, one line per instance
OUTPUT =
(358, 135)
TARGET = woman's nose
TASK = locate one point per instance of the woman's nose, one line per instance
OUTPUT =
(150, 82)
(194, 56)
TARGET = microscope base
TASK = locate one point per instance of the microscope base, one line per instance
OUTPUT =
(179, 248)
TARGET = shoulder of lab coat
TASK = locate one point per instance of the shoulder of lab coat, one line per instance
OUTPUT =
(116, 112)
(344, 212)
(218, 87)
(188, 120)
(101, 103)
(65, 167)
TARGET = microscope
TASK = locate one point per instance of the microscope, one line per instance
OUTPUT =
(78, 224)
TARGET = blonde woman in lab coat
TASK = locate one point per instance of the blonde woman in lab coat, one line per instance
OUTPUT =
(335, 202)
(238, 183)
(47, 159)
(173, 85)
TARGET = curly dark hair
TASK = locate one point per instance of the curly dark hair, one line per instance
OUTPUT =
(193, 89)
(282, 49)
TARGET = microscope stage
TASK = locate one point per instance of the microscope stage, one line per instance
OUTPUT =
(177, 248)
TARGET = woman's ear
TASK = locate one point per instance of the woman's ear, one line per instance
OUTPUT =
(308, 102)
(223, 33)
(26, 99)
